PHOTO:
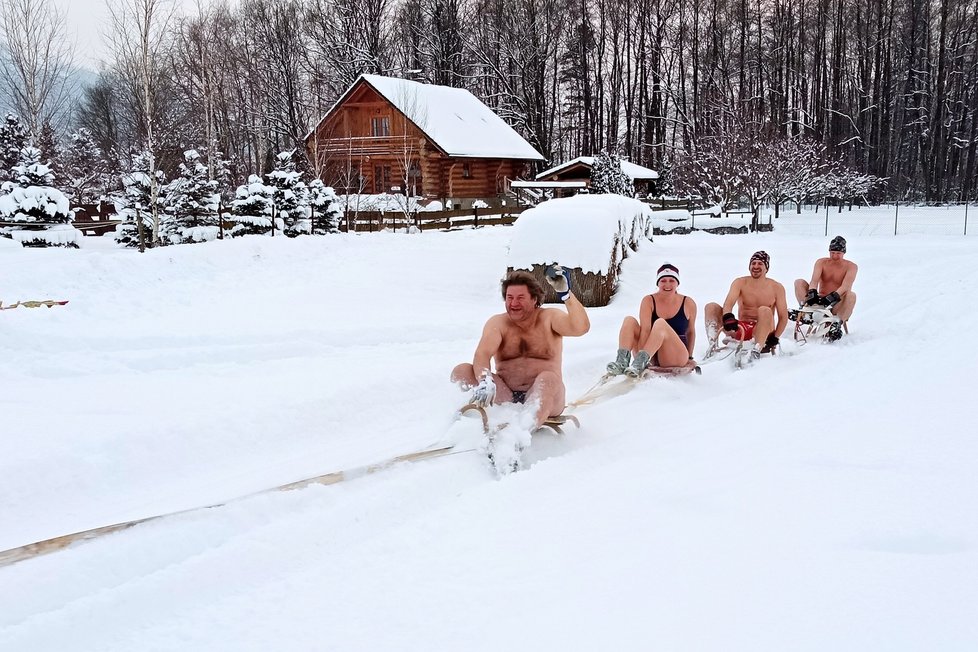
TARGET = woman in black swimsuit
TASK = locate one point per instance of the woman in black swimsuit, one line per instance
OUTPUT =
(655, 338)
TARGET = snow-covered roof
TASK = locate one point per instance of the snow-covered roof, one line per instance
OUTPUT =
(631, 169)
(454, 119)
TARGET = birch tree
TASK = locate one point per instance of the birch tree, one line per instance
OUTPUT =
(37, 62)
(138, 33)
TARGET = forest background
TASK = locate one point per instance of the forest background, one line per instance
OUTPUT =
(887, 88)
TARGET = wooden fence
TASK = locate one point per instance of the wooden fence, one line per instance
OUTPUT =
(368, 221)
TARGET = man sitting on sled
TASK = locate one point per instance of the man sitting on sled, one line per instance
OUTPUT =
(831, 286)
(526, 343)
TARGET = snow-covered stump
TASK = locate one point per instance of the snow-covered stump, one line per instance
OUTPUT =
(589, 234)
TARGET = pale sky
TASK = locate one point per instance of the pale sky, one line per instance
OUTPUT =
(88, 19)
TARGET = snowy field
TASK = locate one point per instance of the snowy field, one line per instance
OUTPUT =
(821, 500)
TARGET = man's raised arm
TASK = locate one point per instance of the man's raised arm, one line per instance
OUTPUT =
(575, 321)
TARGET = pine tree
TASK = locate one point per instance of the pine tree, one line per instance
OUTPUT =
(84, 168)
(290, 196)
(191, 203)
(607, 176)
(13, 138)
(32, 200)
(326, 210)
(134, 202)
(47, 142)
(31, 196)
(251, 209)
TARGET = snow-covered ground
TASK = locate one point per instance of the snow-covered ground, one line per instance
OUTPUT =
(822, 500)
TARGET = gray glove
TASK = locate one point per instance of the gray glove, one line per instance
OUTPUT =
(559, 278)
(484, 392)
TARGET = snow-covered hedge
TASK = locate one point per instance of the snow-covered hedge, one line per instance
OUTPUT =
(591, 234)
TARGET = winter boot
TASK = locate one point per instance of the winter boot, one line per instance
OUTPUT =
(639, 364)
(834, 333)
(620, 364)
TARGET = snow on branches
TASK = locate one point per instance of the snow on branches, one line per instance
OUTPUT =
(607, 176)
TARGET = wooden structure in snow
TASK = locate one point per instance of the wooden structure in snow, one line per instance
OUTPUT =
(579, 169)
(395, 135)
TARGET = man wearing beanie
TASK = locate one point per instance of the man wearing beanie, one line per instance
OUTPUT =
(758, 300)
(831, 285)
(663, 335)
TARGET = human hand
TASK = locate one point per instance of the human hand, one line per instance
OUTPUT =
(830, 299)
(771, 342)
(812, 297)
(730, 323)
(559, 278)
(485, 391)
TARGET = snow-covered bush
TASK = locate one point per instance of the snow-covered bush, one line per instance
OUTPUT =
(251, 208)
(191, 203)
(589, 234)
(290, 196)
(30, 199)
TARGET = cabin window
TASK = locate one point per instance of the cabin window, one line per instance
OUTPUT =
(380, 127)
(466, 170)
(382, 178)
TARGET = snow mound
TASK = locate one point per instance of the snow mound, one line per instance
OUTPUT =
(582, 231)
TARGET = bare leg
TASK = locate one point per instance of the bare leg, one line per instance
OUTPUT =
(549, 393)
(765, 325)
(801, 290)
(628, 335)
(713, 317)
(664, 342)
(843, 309)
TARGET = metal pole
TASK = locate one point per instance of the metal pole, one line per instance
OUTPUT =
(966, 218)
(896, 216)
(826, 217)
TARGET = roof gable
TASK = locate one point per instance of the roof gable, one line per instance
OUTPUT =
(631, 169)
(453, 119)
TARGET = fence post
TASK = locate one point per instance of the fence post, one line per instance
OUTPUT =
(826, 217)
(966, 218)
(896, 217)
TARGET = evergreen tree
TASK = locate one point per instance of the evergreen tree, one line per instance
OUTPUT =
(191, 203)
(326, 210)
(133, 202)
(13, 138)
(47, 142)
(290, 197)
(608, 178)
(84, 169)
(31, 196)
(251, 210)
(32, 200)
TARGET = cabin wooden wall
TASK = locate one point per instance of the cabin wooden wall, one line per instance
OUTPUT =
(344, 146)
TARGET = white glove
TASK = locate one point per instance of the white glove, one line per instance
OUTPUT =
(559, 278)
(485, 391)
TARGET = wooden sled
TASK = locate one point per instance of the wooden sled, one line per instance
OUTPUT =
(32, 304)
(554, 422)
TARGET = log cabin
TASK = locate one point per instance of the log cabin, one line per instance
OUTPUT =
(387, 134)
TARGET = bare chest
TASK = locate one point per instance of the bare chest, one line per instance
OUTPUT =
(536, 343)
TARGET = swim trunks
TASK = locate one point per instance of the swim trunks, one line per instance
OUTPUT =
(519, 397)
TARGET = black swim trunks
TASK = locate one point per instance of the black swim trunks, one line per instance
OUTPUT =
(519, 397)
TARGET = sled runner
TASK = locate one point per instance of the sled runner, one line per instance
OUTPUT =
(33, 304)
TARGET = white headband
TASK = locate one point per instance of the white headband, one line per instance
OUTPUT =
(667, 272)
